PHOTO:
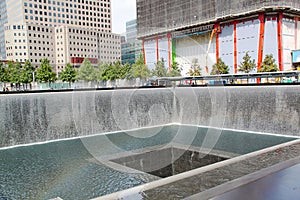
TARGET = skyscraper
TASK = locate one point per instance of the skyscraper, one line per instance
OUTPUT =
(132, 47)
(3, 20)
(65, 31)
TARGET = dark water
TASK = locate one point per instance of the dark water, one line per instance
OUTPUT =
(61, 169)
(70, 169)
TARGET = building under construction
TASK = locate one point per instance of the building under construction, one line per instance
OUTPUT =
(181, 31)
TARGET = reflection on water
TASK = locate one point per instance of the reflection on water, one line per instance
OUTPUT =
(61, 169)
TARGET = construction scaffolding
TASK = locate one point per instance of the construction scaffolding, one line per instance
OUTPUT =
(161, 16)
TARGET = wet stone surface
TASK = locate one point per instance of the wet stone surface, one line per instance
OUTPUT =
(207, 180)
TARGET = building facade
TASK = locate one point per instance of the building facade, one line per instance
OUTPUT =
(131, 48)
(180, 31)
(64, 31)
(3, 21)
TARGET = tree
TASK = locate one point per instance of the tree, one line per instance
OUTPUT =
(195, 69)
(87, 71)
(139, 69)
(100, 71)
(269, 64)
(45, 72)
(14, 70)
(69, 74)
(220, 68)
(111, 72)
(117, 71)
(127, 72)
(247, 65)
(3, 74)
(27, 73)
(160, 69)
(175, 70)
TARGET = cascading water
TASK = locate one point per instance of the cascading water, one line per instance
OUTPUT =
(42, 117)
(47, 169)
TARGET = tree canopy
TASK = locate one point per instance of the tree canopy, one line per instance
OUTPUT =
(139, 69)
(69, 74)
(14, 72)
(45, 72)
(247, 65)
(87, 71)
(127, 72)
(3, 73)
(175, 70)
(269, 64)
(195, 69)
(220, 68)
(160, 69)
(27, 72)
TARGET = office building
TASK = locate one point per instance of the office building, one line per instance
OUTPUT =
(64, 31)
(180, 31)
(131, 48)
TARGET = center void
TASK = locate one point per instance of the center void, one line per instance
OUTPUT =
(169, 161)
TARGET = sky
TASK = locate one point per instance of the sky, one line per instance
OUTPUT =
(122, 11)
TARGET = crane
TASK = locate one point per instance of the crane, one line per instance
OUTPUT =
(217, 29)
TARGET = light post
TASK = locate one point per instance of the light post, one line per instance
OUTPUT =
(33, 76)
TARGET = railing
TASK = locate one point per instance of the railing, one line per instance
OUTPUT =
(233, 79)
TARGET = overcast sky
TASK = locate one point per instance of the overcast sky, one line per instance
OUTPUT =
(122, 11)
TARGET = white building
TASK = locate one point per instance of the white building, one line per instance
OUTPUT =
(64, 31)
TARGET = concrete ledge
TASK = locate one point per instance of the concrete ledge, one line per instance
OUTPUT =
(139, 190)
(221, 189)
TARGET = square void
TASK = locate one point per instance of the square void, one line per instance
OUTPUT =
(168, 162)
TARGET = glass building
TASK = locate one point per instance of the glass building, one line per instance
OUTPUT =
(131, 48)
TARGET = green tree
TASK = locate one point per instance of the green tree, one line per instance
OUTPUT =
(247, 65)
(3, 74)
(195, 69)
(111, 72)
(269, 64)
(117, 71)
(220, 68)
(160, 69)
(69, 74)
(101, 68)
(27, 73)
(175, 70)
(139, 69)
(127, 72)
(14, 72)
(45, 73)
(87, 71)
